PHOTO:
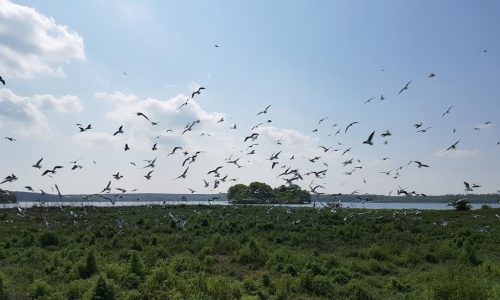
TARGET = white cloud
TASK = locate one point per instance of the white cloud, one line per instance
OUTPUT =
(95, 138)
(33, 44)
(117, 97)
(26, 115)
(63, 104)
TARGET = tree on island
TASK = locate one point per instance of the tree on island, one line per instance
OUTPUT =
(7, 197)
(259, 193)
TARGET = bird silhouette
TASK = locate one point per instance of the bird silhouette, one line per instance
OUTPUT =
(126, 147)
(432, 75)
(349, 126)
(369, 141)
(2, 80)
(10, 139)
(120, 130)
(405, 87)
(38, 164)
(197, 92)
(452, 147)
(148, 176)
(140, 114)
(447, 111)
(264, 111)
(183, 175)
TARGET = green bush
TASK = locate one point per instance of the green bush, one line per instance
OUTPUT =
(102, 290)
(47, 239)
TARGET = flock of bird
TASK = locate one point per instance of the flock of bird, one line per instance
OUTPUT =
(287, 172)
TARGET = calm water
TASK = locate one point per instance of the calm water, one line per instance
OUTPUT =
(369, 205)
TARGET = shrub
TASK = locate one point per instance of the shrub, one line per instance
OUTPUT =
(136, 265)
(3, 293)
(47, 239)
(90, 267)
(102, 290)
(40, 289)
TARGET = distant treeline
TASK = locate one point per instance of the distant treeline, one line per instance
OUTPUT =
(7, 197)
(472, 198)
(261, 193)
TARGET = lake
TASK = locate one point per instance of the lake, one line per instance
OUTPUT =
(367, 205)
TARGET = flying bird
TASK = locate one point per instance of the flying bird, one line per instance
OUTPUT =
(348, 126)
(126, 147)
(452, 147)
(369, 141)
(432, 75)
(2, 80)
(38, 164)
(420, 165)
(140, 114)
(120, 130)
(183, 175)
(10, 139)
(368, 101)
(148, 176)
(447, 111)
(197, 92)
(405, 87)
(264, 111)
(107, 188)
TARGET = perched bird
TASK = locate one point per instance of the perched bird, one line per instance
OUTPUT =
(369, 141)
(405, 87)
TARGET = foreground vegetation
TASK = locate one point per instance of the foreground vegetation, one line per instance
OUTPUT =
(195, 252)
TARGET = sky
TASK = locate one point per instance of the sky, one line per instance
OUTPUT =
(99, 62)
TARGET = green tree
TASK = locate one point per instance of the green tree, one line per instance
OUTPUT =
(136, 265)
(260, 191)
(102, 290)
(237, 192)
(3, 293)
(90, 267)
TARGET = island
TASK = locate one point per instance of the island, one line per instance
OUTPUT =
(261, 193)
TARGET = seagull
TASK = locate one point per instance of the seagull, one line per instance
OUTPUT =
(405, 87)
(10, 139)
(175, 149)
(423, 130)
(183, 175)
(382, 98)
(53, 171)
(264, 111)
(348, 126)
(191, 190)
(117, 176)
(197, 92)
(142, 115)
(447, 111)
(107, 188)
(324, 148)
(420, 165)
(321, 120)
(58, 192)
(154, 147)
(369, 141)
(38, 164)
(148, 176)
(452, 147)
(120, 130)
(467, 187)
(418, 125)
(368, 101)
(253, 136)
(126, 147)
(432, 75)
(2, 81)
(215, 171)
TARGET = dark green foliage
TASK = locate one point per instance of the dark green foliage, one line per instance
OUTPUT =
(461, 204)
(258, 192)
(3, 293)
(7, 197)
(88, 268)
(249, 252)
(102, 290)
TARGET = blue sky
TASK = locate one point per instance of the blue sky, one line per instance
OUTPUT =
(308, 60)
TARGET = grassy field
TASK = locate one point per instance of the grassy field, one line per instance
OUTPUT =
(201, 252)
